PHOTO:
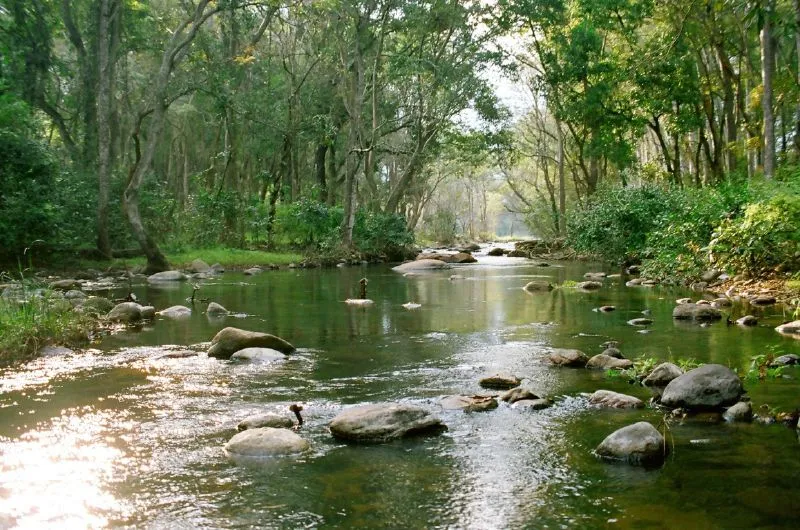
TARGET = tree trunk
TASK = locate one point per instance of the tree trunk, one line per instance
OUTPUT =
(319, 169)
(562, 188)
(767, 71)
(797, 46)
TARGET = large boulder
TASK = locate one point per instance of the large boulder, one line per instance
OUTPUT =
(606, 362)
(167, 276)
(462, 257)
(382, 422)
(199, 265)
(710, 386)
(696, 312)
(792, 329)
(421, 265)
(615, 400)
(230, 340)
(276, 421)
(538, 286)
(469, 403)
(265, 441)
(517, 394)
(637, 444)
(176, 312)
(500, 381)
(126, 313)
(571, 358)
(258, 355)
(662, 375)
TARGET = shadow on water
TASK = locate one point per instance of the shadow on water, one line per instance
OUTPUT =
(123, 437)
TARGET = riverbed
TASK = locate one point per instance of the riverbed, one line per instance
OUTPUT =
(121, 436)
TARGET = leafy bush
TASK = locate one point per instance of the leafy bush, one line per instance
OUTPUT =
(765, 239)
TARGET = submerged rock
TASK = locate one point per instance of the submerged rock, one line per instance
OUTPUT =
(640, 321)
(662, 375)
(606, 362)
(607, 398)
(740, 412)
(589, 286)
(571, 358)
(216, 310)
(747, 320)
(634, 282)
(708, 387)
(696, 312)
(167, 276)
(126, 312)
(791, 329)
(421, 266)
(500, 381)
(260, 355)
(469, 403)
(230, 340)
(517, 394)
(383, 422)
(606, 308)
(176, 312)
(538, 286)
(532, 404)
(276, 421)
(637, 444)
(265, 441)
(252, 271)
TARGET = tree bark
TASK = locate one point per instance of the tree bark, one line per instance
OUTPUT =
(767, 73)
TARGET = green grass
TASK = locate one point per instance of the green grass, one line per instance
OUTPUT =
(25, 328)
(227, 257)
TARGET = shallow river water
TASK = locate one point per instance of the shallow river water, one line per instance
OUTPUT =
(115, 437)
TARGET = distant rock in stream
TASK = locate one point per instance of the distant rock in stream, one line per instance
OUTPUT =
(269, 419)
(176, 312)
(421, 266)
(791, 329)
(383, 422)
(700, 312)
(216, 310)
(606, 362)
(469, 403)
(265, 442)
(230, 340)
(167, 276)
(500, 381)
(126, 313)
(570, 358)
(615, 400)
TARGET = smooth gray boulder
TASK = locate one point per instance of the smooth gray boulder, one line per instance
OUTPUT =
(421, 265)
(611, 351)
(589, 286)
(199, 265)
(216, 310)
(792, 329)
(785, 360)
(571, 358)
(696, 312)
(252, 271)
(230, 340)
(747, 320)
(538, 286)
(500, 381)
(276, 421)
(264, 442)
(740, 412)
(710, 386)
(167, 276)
(126, 312)
(176, 312)
(634, 282)
(517, 394)
(615, 400)
(383, 422)
(637, 444)
(469, 403)
(148, 312)
(258, 355)
(217, 268)
(662, 375)
(602, 361)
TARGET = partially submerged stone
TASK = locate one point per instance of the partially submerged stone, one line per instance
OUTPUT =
(421, 266)
(55, 351)
(252, 271)
(66, 285)
(216, 310)
(695, 312)
(594, 275)
(276, 421)
(607, 398)
(258, 355)
(532, 404)
(571, 358)
(740, 412)
(167, 276)
(606, 308)
(199, 265)
(265, 442)
(176, 312)
(383, 422)
(469, 403)
(602, 361)
(791, 329)
(517, 394)
(538, 286)
(640, 321)
(637, 444)
(662, 375)
(747, 320)
(126, 313)
(785, 360)
(708, 387)
(500, 381)
(762, 300)
(230, 340)
(589, 285)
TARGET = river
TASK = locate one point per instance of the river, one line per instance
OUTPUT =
(117, 437)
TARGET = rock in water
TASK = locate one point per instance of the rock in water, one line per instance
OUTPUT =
(167, 276)
(500, 381)
(696, 312)
(741, 412)
(532, 404)
(199, 265)
(276, 421)
(707, 387)
(538, 286)
(216, 310)
(96, 305)
(421, 265)
(747, 320)
(640, 321)
(265, 441)
(589, 286)
(571, 358)
(55, 351)
(606, 362)
(791, 329)
(615, 400)
(497, 251)
(662, 375)
(637, 444)
(469, 403)
(517, 394)
(785, 360)
(230, 340)
(252, 271)
(176, 312)
(126, 312)
(148, 312)
(382, 422)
